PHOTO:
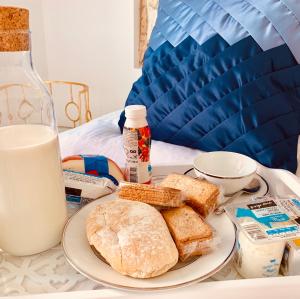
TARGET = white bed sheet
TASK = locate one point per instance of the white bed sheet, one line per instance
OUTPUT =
(102, 136)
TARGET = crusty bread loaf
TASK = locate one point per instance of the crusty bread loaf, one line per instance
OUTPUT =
(150, 194)
(199, 194)
(189, 231)
(132, 237)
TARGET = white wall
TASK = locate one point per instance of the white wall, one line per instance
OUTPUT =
(92, 42)
(37, 29)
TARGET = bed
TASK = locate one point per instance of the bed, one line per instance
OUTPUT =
(102, 136)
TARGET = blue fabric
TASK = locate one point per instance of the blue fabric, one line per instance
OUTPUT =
(240, 95)
(95, 163)
(98, 165)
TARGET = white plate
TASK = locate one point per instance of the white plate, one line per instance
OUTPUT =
(82, 258)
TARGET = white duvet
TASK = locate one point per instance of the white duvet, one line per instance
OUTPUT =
(102, 136)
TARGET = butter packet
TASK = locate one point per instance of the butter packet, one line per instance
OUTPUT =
(82, 188)
(267, 219)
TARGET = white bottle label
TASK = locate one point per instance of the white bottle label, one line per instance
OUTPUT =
(137, 150)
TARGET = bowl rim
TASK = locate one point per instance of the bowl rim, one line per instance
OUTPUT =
(225, 177)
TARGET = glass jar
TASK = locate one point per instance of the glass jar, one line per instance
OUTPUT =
(32, 197)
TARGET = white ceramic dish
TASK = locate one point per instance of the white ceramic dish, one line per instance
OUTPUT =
(82, 258)
(232, 171)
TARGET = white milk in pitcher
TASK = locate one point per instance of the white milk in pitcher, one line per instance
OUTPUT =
(32, 198)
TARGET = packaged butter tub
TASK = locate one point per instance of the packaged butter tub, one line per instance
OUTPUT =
(264, 226)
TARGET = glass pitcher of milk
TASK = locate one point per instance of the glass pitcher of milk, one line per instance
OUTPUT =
(32, 197)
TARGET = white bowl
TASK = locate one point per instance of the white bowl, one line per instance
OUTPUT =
(232, 171)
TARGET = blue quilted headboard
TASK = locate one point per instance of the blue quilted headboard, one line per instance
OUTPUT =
(225, 75)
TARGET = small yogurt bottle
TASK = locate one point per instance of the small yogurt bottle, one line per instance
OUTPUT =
(137, 145)
(255, 260)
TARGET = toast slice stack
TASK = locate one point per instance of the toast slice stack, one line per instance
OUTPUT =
(199, 194)
(192, 235)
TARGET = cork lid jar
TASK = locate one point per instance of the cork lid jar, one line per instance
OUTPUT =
(14, 29)
(32, 192)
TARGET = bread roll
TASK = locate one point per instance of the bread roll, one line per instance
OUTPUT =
(132, 237)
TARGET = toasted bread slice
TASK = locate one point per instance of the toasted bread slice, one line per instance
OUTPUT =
(199, 194)
(186, 225)
(189, 231)
(154, 195)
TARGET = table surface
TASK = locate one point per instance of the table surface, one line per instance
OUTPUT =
(49, 272)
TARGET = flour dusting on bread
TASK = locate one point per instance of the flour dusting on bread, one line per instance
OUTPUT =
(132, 237)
